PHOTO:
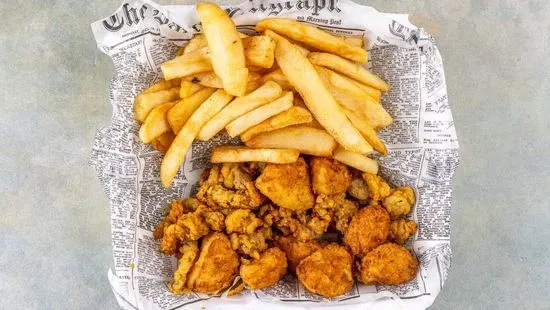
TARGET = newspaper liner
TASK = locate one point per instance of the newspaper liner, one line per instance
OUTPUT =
(422, 143)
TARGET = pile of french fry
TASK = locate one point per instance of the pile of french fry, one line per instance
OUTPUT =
(291, 89)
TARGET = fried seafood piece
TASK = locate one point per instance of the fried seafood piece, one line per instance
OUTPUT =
(329, 177)
(378, 187)
(228, 186)
(176, 209)
(389, 264)
(266, 270)
(358, 188)
(251, 244)
(401, 230)
(337, 209)
(327, 271)
(399, 202)
(296, 250)
(188, 253)
(368, 229)
(216, 266)
(303, 225)
(287, 185)
(242, 221)
(191, 226)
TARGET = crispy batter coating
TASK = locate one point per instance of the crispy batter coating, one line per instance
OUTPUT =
(216, 266)
(388, 264)
(368, 229)
(251, 244)
(266, 270)
(327, 271)
(189, 252)
(329, 177)
(358, 188)
(300, 224)
(191, 226)
(175, 210)
(401, 230)
(296, 250)
(399, 202)
(242, 221)
(378, 187)
(337, 209)
(228, 186)
(287, 185)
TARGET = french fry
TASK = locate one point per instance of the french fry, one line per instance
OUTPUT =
(349, 68)
(254, 81)
(368, 132)
(298, 102)
(163, 142)
(312, 36)
(375, 93)
(180, 113)
(278, 77)
(197, 42)
(307, 140)
(225, 46)
(145, 102)
(195, 62)
(260, 114)
(162, 85)
(293, 116)
(356, 160)
(263, 95)
(187, 88)
(303, 76)
(352, 97)
(355, 41)
(206, 79)
(155, 124)
(175, 156)
(238, 154)
(258, 51)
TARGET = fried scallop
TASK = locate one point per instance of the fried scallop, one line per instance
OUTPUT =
(266, 270)
(329, 177)
(296, 250)
(389, 263)
(368, 229)
(216, 266)
(327, 272)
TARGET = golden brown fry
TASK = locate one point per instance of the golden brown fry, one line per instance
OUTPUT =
(389, 264)
(355, 41)
(163, 142)
(263, 95)
(180, 113)
(237, 154)
(266, 270)
(327, 272)
(226, 46)
(195, 62)
(375, 93)
(155, 124)
(307, 140)
(197, 42)
(293, 116)
(350, 96)
(278, 77)
(303, 76)
(356, 160)
(176, 154)
(368, 229)
(180, 51)
(216, 266)
(260, 114)
(254, 82)
(288, 185)
(313, 36)
(187, 88)
(259, 51)
(349, 68)
(313, 123)
(162, 85)
(206, 79)
(368, 133)
(145, 102)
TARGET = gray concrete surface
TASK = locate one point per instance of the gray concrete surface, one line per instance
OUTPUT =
(54, 221)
